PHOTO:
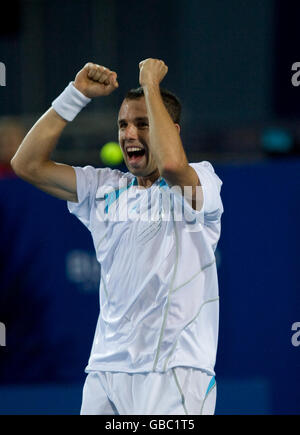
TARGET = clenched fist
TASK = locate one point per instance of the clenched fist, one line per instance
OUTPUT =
(152, 71)
(96, 80)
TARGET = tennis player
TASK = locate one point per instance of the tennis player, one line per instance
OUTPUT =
(155, 230)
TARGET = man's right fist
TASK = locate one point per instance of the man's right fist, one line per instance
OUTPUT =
(96, 80)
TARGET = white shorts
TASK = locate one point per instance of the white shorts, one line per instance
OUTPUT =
(179, 391)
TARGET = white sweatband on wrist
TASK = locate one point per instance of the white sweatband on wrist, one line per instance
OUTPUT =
(70, 102)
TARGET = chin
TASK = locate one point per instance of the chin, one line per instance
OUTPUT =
(140, 171)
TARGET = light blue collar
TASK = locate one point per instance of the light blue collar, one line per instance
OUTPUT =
(160, 181)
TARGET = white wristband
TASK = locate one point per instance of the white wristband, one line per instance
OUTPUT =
(70, 102)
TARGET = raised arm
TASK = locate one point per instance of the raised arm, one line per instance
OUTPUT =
(32, 161)
(165, 141)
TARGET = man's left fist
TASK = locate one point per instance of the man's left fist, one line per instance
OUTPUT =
(152, 71)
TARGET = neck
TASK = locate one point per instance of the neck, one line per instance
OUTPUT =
(148, 180)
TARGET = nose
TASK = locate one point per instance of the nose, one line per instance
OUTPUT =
(131, 132)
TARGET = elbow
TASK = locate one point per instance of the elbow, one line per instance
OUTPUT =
(171, 169)
(20, 169)
(14, 165)
(174, 165)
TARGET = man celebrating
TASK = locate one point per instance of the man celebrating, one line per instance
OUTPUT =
(155, 343)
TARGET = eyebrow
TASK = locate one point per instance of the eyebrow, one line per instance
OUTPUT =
(140, 118)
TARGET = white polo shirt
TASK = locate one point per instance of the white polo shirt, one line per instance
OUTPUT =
(159, 301)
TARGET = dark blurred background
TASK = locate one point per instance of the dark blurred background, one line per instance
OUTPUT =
(230, 63)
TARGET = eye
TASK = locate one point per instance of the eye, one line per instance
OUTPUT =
(122, 125)
(143, 124)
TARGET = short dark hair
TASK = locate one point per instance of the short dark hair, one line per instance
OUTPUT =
(170, 100)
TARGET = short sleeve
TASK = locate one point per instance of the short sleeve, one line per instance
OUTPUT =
(86, 181)
(212, 208)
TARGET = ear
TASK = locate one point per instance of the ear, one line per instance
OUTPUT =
(178, 127)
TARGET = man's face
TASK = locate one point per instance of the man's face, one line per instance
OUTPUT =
(134, 137)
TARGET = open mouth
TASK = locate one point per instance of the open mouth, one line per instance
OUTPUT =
(135, 154)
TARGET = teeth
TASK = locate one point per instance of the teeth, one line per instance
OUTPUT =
(131, 149)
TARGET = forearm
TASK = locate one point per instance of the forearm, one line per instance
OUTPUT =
(39, 143)
(32, 161)
(165, 142)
